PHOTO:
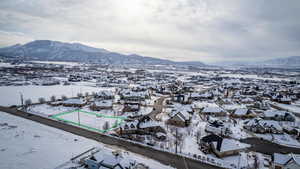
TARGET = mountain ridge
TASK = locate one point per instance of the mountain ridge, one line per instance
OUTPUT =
(47, 50)
(290, 61)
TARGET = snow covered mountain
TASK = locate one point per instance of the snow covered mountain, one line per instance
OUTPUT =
(46, 50)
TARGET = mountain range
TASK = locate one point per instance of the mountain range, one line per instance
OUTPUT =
(284, 62)
(46, 50)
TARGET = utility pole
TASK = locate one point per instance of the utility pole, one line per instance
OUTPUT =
(78, 116)
(176, 142)
(22, 100)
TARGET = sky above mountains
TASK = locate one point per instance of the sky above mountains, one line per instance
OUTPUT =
(179, 30)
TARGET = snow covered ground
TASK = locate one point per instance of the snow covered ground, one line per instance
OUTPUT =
(10, 95)
(26, 144)
(58, 63)
(48, 110)
(90, 119)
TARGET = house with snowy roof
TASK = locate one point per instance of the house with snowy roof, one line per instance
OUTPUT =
(179, 118)
(131, 106)
(242, 113)
(105, 95)
(201, 96)
(279, 115)
(98, 105)
(218, 127)
(142, 126)
(286, 161)
(75, 102)
(263, 126)
(213, 111)
(129, 95)
(222, 147)
(109, 160)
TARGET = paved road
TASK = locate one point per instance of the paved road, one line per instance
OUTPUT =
(157, 107)
(268, 147)
(167, 158)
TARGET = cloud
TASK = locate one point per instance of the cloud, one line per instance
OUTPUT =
(203, 30)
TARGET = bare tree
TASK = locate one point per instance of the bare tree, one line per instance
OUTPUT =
(106, 126)
(53, 98)
(28, 102)
(79, 95)
(198, 135)
(87, 94)
(42, 100)
(115, 123)
(63, 97)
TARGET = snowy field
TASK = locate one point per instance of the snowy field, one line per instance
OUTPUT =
(10, 95)
(45, 109)
(58, 63)
(91, 120)
(27, 145)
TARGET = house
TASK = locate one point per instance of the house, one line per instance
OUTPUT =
(261, 105)
(103, 159)
(101, 104)
(105, 95)
(222, 147)
(286, 161)
(279, 115)
(197, 96)
(243, 113)
(281, 99)
(131, 106)
(55, 103)
(179, 98)
(213, 111)
(143, 126)
(129, 95)
(179, 118)
(218, 127)
(263, 126)
(76, 102)
(246, 100)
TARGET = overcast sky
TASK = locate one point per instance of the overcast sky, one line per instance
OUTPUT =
(181, 30)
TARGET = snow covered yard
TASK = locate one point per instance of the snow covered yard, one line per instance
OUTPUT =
(10, 95)
(90, 120)
(26, 144)
(46, 109)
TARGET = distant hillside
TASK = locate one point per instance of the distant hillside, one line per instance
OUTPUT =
(46, 50)
(292, 61)
(286, 62)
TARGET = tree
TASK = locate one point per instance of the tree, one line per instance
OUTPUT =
(106, 126)
(198, 135)
(87, 94)
(63, 97)
(53, 98)
(42, 100)
(28, 102)
(115, 124)
(79, 95)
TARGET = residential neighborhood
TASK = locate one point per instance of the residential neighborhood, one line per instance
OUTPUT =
(210, 116)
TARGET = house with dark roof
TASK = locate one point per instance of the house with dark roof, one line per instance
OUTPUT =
(286, 161)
